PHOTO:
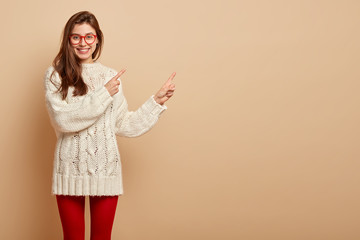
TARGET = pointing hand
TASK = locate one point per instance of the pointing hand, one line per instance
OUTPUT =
(113, 85)
(166, 91)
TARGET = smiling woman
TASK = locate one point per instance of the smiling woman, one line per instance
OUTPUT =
(87, 109)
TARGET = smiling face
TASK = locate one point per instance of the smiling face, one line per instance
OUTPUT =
(84, 50)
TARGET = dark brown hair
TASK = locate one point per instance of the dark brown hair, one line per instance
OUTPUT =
(67, 63)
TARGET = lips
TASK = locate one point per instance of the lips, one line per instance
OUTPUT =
(83, 50)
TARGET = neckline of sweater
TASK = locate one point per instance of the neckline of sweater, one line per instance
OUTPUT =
(90, 65)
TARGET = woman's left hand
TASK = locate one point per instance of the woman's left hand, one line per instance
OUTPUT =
(166, 91)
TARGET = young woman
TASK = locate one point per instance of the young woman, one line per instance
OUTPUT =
(87, 109)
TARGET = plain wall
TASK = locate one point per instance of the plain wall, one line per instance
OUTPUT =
(260, 140)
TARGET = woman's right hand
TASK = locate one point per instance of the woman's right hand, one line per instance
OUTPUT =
(113, 85)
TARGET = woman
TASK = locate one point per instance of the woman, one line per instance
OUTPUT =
(87, 109)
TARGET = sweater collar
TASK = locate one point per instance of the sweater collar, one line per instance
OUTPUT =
(90, 65)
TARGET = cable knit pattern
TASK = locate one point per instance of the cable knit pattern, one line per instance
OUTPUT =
(86, 158)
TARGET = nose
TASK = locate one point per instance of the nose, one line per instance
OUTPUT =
(82, 42)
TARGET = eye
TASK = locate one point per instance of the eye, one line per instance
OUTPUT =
(89, 37)
(75, 37)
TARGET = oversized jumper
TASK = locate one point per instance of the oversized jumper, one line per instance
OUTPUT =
(86, 158)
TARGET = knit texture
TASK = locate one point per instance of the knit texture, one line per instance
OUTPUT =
(87, 159)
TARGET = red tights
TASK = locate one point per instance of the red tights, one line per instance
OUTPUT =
(72, 215)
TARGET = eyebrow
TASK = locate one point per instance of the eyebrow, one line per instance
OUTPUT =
(85, 33)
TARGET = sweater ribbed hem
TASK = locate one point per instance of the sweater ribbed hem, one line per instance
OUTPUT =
(86, 185)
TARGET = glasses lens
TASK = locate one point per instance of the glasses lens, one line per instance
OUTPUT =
(89, 38)
(75, 39)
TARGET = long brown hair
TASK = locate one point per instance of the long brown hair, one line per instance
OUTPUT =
(67, 63)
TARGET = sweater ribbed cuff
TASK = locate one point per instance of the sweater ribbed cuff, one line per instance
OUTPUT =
(153, 107)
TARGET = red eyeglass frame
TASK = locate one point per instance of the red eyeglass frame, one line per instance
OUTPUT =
(83, 37)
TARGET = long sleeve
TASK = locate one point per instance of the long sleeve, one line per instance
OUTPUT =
(73, 117)
(136, 123)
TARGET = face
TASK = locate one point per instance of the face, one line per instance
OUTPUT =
(83, 49)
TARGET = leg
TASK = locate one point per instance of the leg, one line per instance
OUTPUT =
(71, 210)
(102, 211)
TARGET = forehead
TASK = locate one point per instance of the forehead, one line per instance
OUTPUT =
(83, 29)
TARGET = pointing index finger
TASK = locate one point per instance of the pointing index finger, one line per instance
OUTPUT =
(120, 73)
(171, 78)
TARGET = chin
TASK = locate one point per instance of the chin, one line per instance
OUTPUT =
(82, 59)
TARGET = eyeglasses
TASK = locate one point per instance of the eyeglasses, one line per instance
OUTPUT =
(75, 39)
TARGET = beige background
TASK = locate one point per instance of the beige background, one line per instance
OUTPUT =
(260, 141)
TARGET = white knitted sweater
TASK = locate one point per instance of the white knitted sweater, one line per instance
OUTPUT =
(86, 158)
